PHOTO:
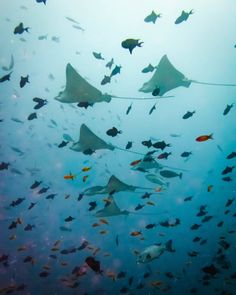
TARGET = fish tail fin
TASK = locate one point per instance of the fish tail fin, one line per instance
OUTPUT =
(211, 136)
(140, 44)
(191, 11)
(27, 29)
(169, 247)
(180, 175)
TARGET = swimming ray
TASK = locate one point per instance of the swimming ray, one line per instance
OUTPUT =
(167, 77)
(114, 185)
(78, 90)
(89, 141)
(113, 210)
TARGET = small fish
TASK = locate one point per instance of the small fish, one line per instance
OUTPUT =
(139, 207)
(161, 145)
(5, 78)
(210, 269)
(63, 144)
(195, 226)
(113, 132)
(147, 69)
(170, 174)
(110, 63)
(95, 224)
(204, 137)
(86, 169)
(4, 166)
(209, 188)
(32, 116)
(188, 115)
(17, 202)
(129, 109)
(43, 190)
(231, 156)
(88, 151)
(20, 29)
(156, 91)
(17, 120)
(150, 226)
(227, 170)
(78, 27)
(29, 227)
(23, 81)
(98, 55)
(55, 39)
(135, 233)
(115, 71)
(35, 184)
(164, 155)
(69, 219)
(85, 177)
(104, 221)
(128, 145)
(93, 264)
(156, 283)
(151, 203)
(70, 176)
(105, 80)
(31, 205)
(183, 17)
(42, 37)
(134, 163)
(92, 205)
(84, 104)
(186, 154)
(130, 44)
(152, 109)
(227, 179)
(152, 17)
(103, 232)
(147, 143)
(41, 1)
(227, 109)
(40, 102)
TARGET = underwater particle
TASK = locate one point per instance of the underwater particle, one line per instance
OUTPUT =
(129, 108)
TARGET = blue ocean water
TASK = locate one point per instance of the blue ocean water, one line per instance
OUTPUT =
(63, 239)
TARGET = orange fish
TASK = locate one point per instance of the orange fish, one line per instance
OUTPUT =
(85, 178)
(70, 176)
(136, 233)
(104, 221)
(209, 188)
(204, 137)
(135, 162)
(86, 169)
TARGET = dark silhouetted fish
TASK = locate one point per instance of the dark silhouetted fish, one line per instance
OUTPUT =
(115, 71)
(113, 132)
(231, 156)
(227, 170)
(188, 115)
(93, 264)
(23, 81)
(40, 102)
(164, 155)
(69, 219)
(128, 145)
(32, 116)
(63, 144)
(84, 105)
(147, 143)
(41, 1)
(35, 184)
(129, 109)
(110, 63)
(4, 166)
(17, 202)
(210, 269)
(105, 80)
(43, 190)
(161, 145)
(20, 29)
(130, 44)
(5, 78)
(227, 109)
(170, 174)
(148, 69)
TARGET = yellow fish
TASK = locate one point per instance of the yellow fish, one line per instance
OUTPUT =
(86, 169)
